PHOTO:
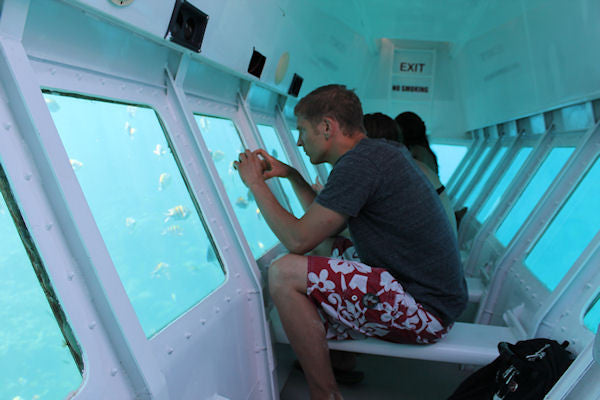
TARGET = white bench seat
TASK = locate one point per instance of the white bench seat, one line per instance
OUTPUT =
(465, 344)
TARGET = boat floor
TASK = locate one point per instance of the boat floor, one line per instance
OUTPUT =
(390, 378)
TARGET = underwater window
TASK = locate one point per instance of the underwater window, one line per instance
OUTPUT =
(35, 361)
(569, 233)
(591, 318)
(275, 149)
(472, 172)
(494, 198)
(224, 144)
(312, 172)
(141, 203)
(448, 156)
(489, 169)
(532, 193)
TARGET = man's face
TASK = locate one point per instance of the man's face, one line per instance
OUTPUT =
(311, 139)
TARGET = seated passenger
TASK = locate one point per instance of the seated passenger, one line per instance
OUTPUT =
(409, 287)
(412, 129)
(379, 125)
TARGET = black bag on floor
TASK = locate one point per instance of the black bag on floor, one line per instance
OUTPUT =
(523, 371)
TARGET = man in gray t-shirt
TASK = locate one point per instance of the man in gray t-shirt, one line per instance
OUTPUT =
(408, 286)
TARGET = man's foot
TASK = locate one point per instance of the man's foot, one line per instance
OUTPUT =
(342, 376)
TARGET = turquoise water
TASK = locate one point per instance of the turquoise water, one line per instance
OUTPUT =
(591, 318)
(472, 172)
(35, 362)
(532, 193)
(225, 145)
(140, 202)
(449, 156)
(569, 233)
(490, 168)
(497, 194)
(274, 148)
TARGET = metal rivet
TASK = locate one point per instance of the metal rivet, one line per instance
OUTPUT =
(237, 275)
(49, 226)
(53, 71)
(188, 335)
(113, 372)
(228, 299)
(70, 276)
(92, 325)
(203, 321)
(7, 126)
(28, 176)
(217, 310)
(239, 291)
(169, 350)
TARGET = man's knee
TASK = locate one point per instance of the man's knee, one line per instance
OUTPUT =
(287, 273)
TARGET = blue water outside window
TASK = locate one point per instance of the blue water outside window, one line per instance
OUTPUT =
(224, 143)
(472, 172)
(494, 198)
(591, 318)
(490, 168)
(532, 193)
(312, 172)
(274, 148)
(35, 362)
(448, 156)
(140, 202)
(569, 232)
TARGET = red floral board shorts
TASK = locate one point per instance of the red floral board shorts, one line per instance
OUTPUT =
(357, 300)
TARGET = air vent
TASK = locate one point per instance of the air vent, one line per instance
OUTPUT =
(187, 26)
(257, 63)
(295, 85)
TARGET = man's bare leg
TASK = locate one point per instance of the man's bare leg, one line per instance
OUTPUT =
(302, 324)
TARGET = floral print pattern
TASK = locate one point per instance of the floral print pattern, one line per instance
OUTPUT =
(356, 301)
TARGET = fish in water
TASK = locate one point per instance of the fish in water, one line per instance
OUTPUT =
(173, 230)
(261, 245)
(258, 214)
(52, 104)
(202, 122)
(241, 202)
(130, 222)
(163, 181)
(217, 155)
(75, 164)
(158, 150)
(160, 270)
(178, 213)
(131, 111)
(210, 254)
(129, 129)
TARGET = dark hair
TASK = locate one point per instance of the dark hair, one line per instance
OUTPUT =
(412, 129)
(379, 125)
(335, 101)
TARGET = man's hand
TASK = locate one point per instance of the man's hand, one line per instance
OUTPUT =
(250, 168)
(273, 167)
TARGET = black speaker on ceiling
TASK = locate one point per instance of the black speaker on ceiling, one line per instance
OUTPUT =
(187, 25)
(295, 85)
(257, 63)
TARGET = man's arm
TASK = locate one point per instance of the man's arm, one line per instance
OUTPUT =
(276, 168)
(297, 235)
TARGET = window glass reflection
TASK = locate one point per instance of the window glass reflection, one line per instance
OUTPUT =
(224, 143)
(312, 172)
(449, 156)
(497, 194)
(274, 148)
(472, 172)
(484, 178)
(569, 232)
(532, 193)
(35, 362)
(141, 204)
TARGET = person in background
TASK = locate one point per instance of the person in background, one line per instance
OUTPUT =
(413, 131)
(379, 125)
(409, 286)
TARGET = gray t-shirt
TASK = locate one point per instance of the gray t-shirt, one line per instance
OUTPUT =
(397, 222)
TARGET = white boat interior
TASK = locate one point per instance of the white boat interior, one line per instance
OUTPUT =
(134, 259)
